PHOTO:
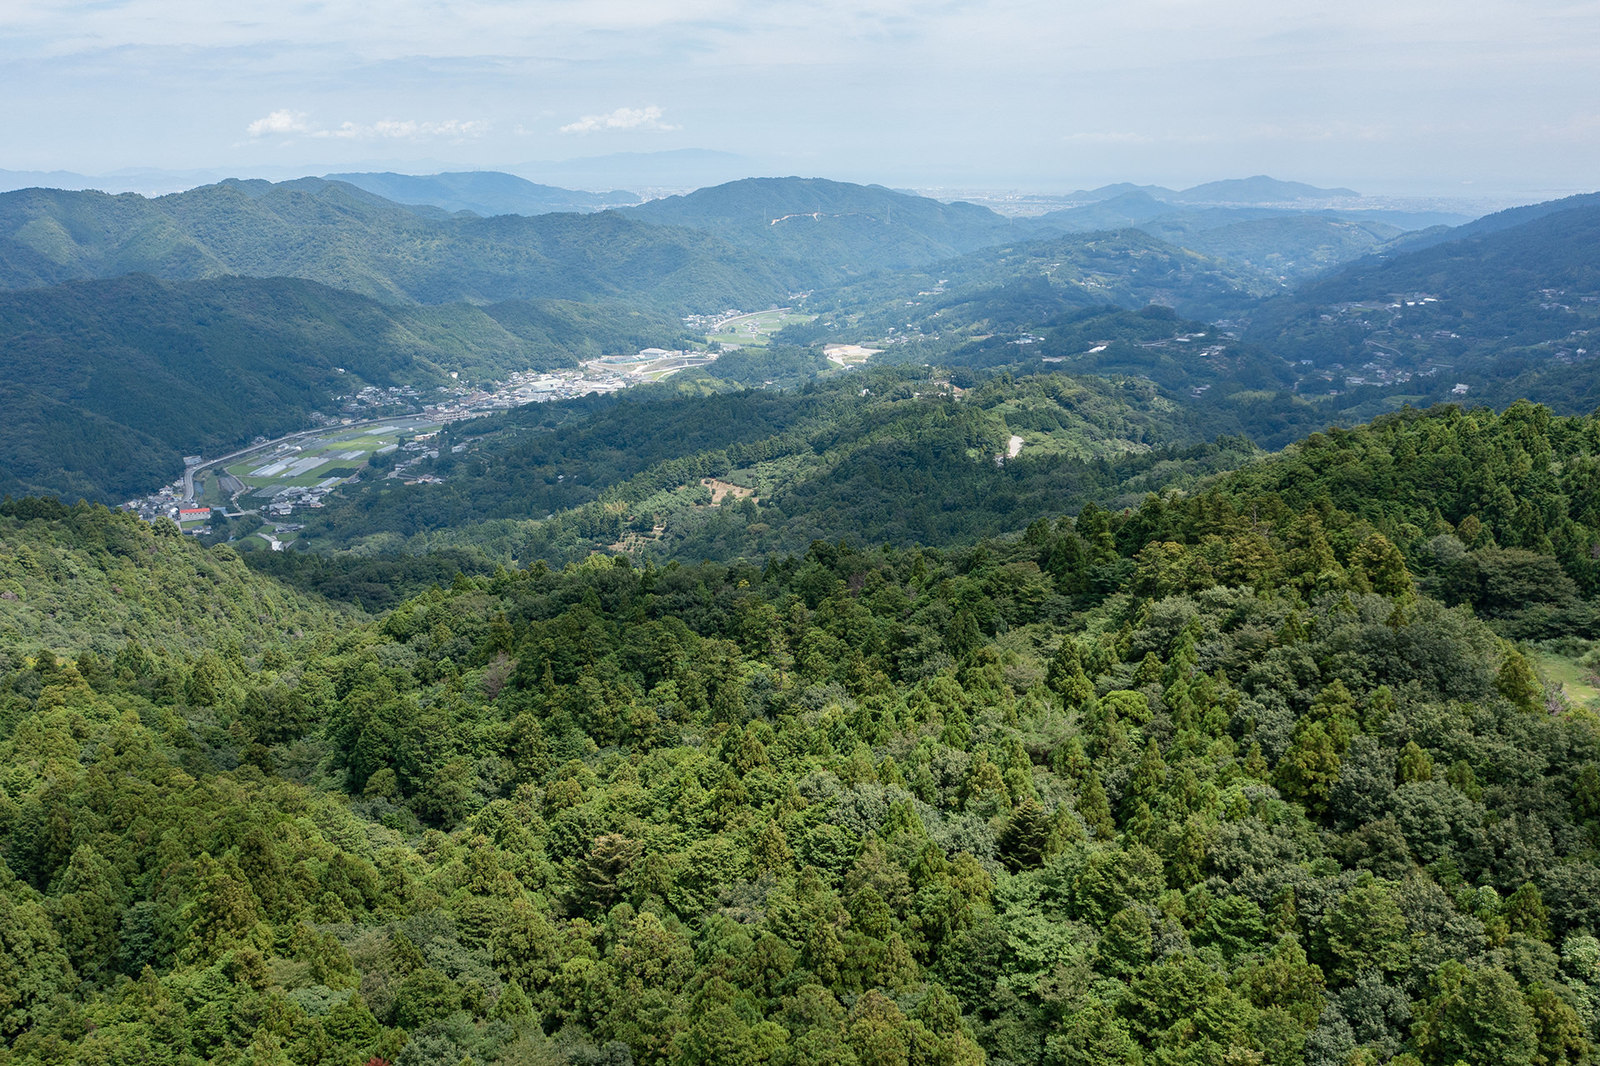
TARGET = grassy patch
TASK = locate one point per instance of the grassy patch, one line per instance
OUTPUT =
(1578, 682)
(756, 329)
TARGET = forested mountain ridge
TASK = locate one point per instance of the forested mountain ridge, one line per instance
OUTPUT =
(1499, 220)
(834, 229)
(1213, 780)
(1126, 268)
(339, 235)
(1287, 245)
(1546, 250)
(847, 230)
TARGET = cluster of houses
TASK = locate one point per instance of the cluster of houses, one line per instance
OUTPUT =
(372, 400)
(287, 500)
(420, 448)
(169, 502)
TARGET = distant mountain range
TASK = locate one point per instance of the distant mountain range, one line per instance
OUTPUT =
(838, 230)
(810, 231)
(1240, 191)
(748, 243)
(484, 193)
(671, 170)
(1258, 222)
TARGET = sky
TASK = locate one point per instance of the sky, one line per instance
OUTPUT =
(1389, 97)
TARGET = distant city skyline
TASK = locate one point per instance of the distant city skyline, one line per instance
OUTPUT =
(1477, 99)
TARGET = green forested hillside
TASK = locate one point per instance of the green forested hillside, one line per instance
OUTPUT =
(1489, 273)
(1286, 246)
(1214, 780)
(1199, 366)
(83, 580)
(882, 456)
(341, 236)
(833, 230)
(105, 385)
(1040, 278)
(1505, 309)
(1501, 509)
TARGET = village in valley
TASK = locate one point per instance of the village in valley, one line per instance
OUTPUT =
(274, 480)
(272, 484)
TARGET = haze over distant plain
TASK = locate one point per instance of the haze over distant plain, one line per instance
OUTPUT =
(1469, 98)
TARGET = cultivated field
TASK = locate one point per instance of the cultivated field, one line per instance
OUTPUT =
(316, 461)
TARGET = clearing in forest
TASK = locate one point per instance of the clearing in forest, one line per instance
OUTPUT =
(849, 354)
(720, 490)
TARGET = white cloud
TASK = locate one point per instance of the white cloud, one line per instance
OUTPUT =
(623, 118)
(389, 129)
(279, 122)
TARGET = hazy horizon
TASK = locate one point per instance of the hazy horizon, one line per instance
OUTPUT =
(638, 174)
(1485, 99)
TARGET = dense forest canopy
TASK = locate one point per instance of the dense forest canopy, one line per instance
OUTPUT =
(1251, 773)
